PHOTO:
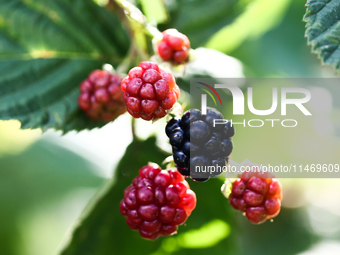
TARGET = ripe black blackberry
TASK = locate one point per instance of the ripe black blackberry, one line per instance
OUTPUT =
(196, 142)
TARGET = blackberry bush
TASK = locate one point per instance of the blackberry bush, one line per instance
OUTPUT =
(101, 97)
(46, 58)
(149, 91)
(257, 194)
(196, 142)
(157, 202)
(174, 46)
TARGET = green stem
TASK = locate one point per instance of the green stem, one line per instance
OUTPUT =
(133, 128)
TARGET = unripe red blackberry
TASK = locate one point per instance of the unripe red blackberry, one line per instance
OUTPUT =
(157, 202)
(174, 46)
(149, 91)
(101, 97)
(257, 194)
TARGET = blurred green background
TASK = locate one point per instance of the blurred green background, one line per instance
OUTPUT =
(46, 180)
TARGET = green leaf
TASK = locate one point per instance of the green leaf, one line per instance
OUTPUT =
(43, 93)
(281, 52)
(103, 231)
(323, 30)
(259, 17)
(47, 171)
(200, 19)
(60, 27)
(42, 174)
(289, 233)
(46, 49)
(154, 10)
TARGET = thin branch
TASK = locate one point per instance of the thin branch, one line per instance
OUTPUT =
(133, 128)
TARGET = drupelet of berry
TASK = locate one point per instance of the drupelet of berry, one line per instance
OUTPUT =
(157, 202)
(196, 142)
(149, 91)
(174, 46)
(258, 194)
(101, 97)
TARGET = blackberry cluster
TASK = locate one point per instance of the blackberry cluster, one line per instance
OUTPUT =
(149, 91)
(196, 142)
(257, 194)
(157, 202)
(174, 46)
(101, 97)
